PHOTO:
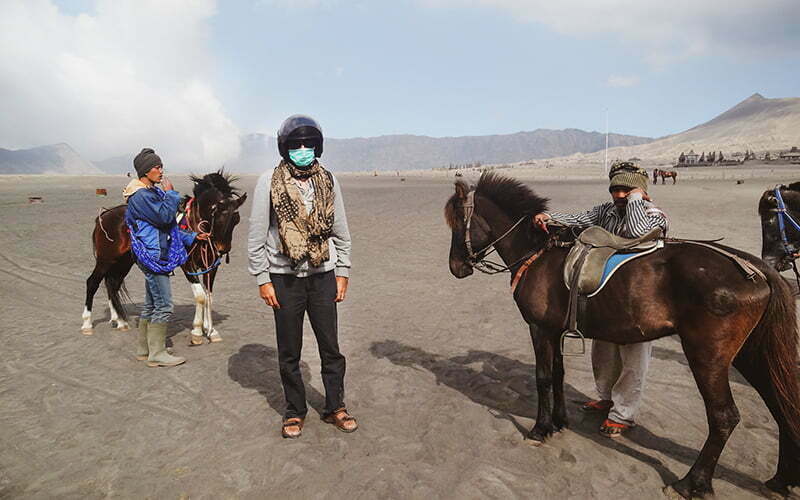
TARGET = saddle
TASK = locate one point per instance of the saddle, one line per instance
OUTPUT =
(595, 255)
(585, 265)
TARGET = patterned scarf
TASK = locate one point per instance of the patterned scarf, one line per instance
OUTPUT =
(303, 235)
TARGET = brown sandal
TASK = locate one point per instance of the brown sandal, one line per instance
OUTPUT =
(342, 420)
(289, 425)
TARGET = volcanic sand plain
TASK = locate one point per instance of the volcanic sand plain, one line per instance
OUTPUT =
(439, 370)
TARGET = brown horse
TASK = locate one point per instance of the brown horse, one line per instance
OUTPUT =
(214, 209)
(664, 174)
(683, 289)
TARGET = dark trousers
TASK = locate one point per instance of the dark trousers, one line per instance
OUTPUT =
(315, 294)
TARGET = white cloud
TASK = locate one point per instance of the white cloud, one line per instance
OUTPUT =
(622, 81)
(666, 31)
(132, 74)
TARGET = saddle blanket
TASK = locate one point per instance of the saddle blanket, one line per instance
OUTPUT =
(616, 261)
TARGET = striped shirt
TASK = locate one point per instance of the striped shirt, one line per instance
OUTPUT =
(638, 218)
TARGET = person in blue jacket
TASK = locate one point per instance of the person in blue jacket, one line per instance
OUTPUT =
(159, 247)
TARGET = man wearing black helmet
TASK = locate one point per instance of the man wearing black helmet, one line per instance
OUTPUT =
(299, 249)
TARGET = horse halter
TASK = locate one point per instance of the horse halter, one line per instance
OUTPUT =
(783, 216)
(482, 264)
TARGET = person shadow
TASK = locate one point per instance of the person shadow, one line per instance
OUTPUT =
(507, 388)
(255, 366)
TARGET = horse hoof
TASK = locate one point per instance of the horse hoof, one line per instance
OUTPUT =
(778, 490)
(87, 331)
(123, 328)
(196, 340)
(533, 442)
(215, 338)
(672, 493)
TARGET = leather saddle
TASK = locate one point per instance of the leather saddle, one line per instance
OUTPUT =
(585, 264)
(585, 268)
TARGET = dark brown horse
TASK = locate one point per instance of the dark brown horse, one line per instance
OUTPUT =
(779, 248)
(664, 174)
(683, 289)
(213, 209)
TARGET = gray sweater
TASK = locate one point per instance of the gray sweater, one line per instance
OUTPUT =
(264, 243)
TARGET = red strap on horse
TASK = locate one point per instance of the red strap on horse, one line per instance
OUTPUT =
(523, 268)
(185, 221)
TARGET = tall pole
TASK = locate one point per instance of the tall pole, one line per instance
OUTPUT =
(605, 162)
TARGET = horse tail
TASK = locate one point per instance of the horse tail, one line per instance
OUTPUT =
(773, 347)
(94, 236)
(115, 285)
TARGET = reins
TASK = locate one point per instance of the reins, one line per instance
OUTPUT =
(210, 257)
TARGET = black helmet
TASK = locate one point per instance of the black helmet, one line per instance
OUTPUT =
(299, 128)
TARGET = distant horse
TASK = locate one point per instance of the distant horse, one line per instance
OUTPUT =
(684, 289)
(213, 209)
(664, 174)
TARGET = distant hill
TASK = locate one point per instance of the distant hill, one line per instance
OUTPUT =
(116, 165)
(52, 159)
(406, 152)
(757, 123)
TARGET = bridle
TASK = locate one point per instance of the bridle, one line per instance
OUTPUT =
(790, 251)
(482, 264)
(210, 257)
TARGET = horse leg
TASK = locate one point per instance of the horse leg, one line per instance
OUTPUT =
(543, 349)
(92, 284)
(751, 363)
(199, 313)
(213, 334)
(560, 420)
(115, 283)
(710, 371)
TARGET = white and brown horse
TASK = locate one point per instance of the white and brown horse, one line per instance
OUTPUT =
(213, 209)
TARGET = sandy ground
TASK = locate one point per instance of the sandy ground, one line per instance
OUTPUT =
(440, 371)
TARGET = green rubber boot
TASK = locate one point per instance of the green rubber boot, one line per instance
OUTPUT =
(142, 350)
(157, 344)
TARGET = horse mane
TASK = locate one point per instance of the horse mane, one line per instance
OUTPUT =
(219, 181)
(511, 195)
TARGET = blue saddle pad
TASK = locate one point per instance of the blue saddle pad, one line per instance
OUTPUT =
(613, 263)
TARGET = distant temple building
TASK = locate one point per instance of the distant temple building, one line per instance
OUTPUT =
(791, 155)
(690, 158)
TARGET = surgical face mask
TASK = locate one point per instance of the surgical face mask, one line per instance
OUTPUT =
(302, 157)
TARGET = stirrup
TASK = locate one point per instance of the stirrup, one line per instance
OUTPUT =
(572, 334)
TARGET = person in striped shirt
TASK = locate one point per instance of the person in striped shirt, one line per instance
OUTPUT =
(619, 370)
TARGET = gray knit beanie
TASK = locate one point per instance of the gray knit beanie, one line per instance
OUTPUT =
(627, 174)
(145, 161)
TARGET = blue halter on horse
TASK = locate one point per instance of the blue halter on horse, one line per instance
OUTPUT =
(783, 216)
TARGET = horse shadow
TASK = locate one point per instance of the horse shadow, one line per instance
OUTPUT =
(255, 366)
(507, 388)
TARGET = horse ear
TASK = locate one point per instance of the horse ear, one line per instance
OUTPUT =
(461, 189)
(241, 200)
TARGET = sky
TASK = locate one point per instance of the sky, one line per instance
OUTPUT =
(190, 76)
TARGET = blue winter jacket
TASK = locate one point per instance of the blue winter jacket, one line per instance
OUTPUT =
(151, 213)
